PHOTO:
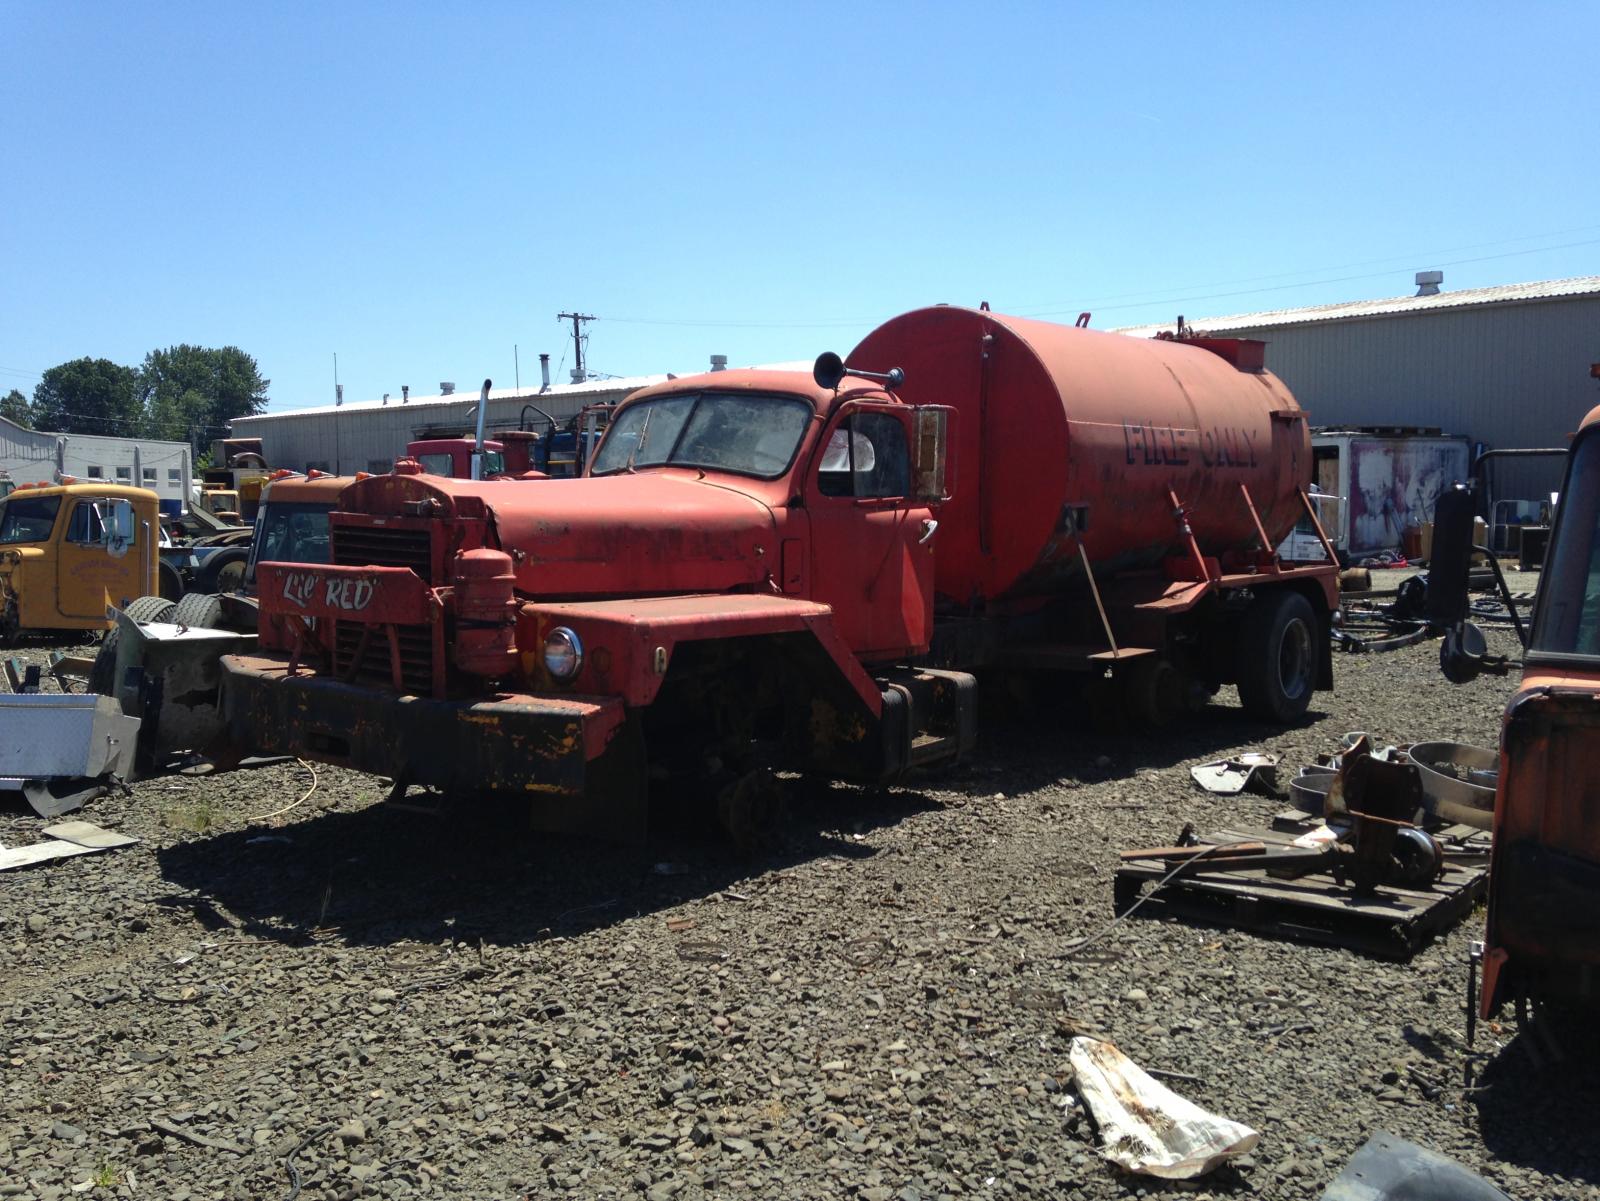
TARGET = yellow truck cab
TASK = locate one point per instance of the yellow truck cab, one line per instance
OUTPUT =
(67, 551)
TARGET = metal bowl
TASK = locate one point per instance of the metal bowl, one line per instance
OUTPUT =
(1448, 771)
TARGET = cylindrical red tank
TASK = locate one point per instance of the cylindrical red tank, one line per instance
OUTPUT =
(1065, 434)
(486, 613)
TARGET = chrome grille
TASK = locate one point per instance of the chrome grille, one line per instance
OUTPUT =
(383, 546)
(416, 656)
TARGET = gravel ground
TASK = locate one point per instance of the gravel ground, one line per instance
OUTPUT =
(353, 1000)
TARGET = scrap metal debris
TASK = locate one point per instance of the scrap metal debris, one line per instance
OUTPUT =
(65, 840)
(62, 750)
(1145, 1126)
(1391, 1169)
(1254, 770)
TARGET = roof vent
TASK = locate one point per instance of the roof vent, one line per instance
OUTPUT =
(405, 393)
(1428, 282)
(446, 388)
(719, 362)
(385, 398)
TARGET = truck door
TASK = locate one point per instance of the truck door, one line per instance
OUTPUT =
(91, 566)
(871, 543)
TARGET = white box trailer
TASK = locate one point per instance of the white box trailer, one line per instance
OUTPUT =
(1389, 479)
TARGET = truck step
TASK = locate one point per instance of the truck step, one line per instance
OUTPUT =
(931, 748)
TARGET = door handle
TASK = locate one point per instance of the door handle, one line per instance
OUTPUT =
(930, 527)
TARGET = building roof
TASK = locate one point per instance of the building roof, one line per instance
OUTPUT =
(530, 395)
(1353, 310)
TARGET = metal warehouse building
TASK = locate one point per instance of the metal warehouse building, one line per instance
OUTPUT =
(1506, 366)
(37, 457)
(369, 435)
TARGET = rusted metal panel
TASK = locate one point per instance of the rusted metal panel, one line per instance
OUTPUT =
(373, 595)
(514, 742)
(630, 642)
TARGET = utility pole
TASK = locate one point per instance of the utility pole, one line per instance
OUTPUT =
(577, 319)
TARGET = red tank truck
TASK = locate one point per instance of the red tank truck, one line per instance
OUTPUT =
(769, 570)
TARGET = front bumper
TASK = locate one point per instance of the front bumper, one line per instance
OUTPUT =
(513, 742)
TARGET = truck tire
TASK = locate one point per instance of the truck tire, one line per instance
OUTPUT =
(198, 611)
(170, 582)
(1277, 649)
(150, 608)
(102, 675)
(223, 571)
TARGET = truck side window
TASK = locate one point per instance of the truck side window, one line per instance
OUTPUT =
(85, 525)
(866, 455)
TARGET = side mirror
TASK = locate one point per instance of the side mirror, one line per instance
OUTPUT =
(116, 531)
(930, 456)
(1450, 567)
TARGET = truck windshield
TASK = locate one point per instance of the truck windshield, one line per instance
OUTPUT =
(1569, 600)
(721, 431)
(292, 532)
(28, 518)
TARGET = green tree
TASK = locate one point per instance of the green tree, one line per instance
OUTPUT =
(192, 392)
(89, 396)
(15, 407)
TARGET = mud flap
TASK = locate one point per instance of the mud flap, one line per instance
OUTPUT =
(615, 803)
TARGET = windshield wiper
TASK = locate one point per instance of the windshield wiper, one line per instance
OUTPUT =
(644, 434)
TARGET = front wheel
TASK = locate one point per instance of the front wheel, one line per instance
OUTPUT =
(1277, 650)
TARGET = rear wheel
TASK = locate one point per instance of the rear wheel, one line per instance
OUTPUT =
(198, 611)
(103, 674)
(151, 608)
(1277, 650)
(224, 571)
(170, 582)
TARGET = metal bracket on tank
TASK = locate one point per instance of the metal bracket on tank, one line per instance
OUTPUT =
(1074, 520)
(1181, 515)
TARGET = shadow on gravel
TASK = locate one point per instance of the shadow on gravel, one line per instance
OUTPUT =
(1060, 745)
(384, 875)
(1541, 1095)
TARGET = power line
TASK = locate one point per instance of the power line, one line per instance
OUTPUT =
(1140, 300)
(1140, 304)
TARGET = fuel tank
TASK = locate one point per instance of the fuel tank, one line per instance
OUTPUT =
(1067, 435)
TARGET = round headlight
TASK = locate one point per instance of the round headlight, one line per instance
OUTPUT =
(563, 653)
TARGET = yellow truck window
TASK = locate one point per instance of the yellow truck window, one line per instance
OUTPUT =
(86, 524)
(28, 518)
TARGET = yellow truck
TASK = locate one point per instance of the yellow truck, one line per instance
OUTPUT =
(68, 551)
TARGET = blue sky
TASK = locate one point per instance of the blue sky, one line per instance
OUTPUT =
(418, 188)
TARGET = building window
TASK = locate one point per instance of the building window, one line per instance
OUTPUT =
(149, 475)
(97, 473)
(174, 476)
(124, 474)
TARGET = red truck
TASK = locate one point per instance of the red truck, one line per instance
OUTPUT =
(764, 570)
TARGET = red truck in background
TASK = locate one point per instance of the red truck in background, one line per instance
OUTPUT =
(764, 570)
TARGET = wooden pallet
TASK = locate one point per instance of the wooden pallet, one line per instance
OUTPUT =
(1394, 923)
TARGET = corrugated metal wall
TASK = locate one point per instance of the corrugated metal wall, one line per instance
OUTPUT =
(367, 438)
(1510, 375)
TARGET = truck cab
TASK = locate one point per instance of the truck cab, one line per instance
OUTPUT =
(68, 551)
(452, 457)
(1543, 933)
